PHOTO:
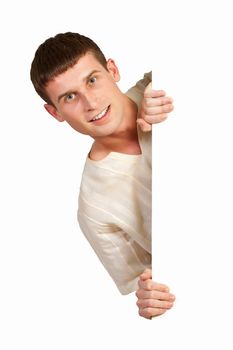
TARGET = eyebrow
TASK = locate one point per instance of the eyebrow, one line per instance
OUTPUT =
(84, 79)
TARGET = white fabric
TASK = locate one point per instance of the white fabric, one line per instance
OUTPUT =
(115, 207)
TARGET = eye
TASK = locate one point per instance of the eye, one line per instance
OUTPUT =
(70, 97)
(92, 80)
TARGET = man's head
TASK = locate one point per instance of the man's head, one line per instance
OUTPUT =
(57, 54)
(72, 75)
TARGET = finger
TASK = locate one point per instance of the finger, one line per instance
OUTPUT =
(151, 312)
(155, 119)
(146, 294)
(152, 102)
(150, 285)
(157, 109)
(145, 127)
(154, 303)
(153, 93)
(147, 274)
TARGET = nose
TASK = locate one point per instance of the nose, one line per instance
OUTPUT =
(90, 101)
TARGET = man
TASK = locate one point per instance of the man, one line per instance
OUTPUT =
(79, 86)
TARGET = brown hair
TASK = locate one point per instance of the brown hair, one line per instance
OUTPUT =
(57, 54)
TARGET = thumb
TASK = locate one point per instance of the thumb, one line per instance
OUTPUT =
(145, 127)
(148, 90)
(147, 274)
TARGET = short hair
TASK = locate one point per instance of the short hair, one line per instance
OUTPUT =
(57, 54)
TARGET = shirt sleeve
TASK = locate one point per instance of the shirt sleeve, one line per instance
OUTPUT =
(136, 92)
(122, 257)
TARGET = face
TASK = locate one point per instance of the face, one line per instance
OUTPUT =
(87, 97)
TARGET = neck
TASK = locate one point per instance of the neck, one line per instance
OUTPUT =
(125, 135)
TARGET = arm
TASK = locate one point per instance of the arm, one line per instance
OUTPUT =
(154, 299)
(122, 257)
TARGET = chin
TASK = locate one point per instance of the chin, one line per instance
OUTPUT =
(107, 129)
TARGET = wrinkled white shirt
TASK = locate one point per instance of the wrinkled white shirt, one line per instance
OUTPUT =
(115, 207)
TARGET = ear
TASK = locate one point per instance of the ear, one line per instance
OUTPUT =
(113, 70)
(53, 111)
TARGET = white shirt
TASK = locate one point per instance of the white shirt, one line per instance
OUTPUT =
(115, 207)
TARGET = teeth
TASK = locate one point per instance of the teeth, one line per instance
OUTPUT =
(100, 115)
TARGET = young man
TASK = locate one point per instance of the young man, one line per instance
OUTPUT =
(79, 86)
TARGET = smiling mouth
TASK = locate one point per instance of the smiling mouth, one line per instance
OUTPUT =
(101, 115)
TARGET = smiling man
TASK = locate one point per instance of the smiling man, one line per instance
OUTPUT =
(91, 102)
(79, 86)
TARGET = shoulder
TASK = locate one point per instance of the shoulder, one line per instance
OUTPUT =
(136, 92)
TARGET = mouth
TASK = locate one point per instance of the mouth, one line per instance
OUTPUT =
(101, 116)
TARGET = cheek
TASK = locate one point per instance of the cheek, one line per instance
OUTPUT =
(111, 90)
(71, 112)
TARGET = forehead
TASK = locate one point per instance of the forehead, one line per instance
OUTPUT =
(76, 74)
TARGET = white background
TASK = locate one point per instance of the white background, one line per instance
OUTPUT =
(54, 292)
